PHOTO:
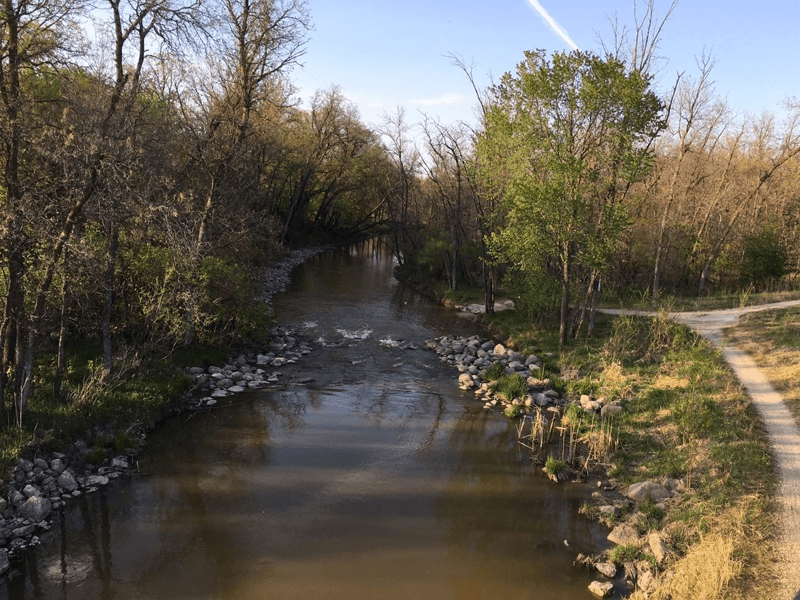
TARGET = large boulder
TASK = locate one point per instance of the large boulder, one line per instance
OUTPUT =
(601, 589)
(624, 535)
(647, 491)
(35, 509)
(66, 481)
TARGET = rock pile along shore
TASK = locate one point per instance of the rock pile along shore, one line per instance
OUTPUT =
(473, 357)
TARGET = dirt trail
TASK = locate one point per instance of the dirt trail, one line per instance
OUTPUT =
(780, 425)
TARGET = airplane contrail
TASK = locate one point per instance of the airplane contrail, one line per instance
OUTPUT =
(551, 22)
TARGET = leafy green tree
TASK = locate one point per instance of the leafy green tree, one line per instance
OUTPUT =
(576, 131)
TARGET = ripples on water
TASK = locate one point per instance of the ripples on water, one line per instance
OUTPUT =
(380, 479)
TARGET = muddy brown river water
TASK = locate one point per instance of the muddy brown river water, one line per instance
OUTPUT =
(379, 479)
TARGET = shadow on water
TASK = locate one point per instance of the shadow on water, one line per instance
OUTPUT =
(379, 479)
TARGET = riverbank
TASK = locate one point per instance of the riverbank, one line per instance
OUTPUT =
(96, 438)
(688, 432)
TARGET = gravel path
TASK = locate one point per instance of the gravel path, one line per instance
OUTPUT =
(780, 425)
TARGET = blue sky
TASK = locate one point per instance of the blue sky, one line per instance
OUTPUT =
(384, 54)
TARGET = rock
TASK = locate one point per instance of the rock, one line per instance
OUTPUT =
(66, 481)
(94, 480)
(36, 509)
(646, 581)
(657, 546)
(465, 380)
(235, 389)
(196, 370)
(608, 569)
(29, 491)
(601, 589)
(609, 410)
(609, 511)
(119, 462)
(647, 491)
(585, 399)
(4, 564)
(57, 466)
(25, 466)
(499, 350)
(623, 535)
(22, 532)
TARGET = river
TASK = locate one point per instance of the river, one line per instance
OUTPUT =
(378, 479)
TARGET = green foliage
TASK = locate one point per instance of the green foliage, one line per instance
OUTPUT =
(511, 411)
(626, 553)
(553, 466)
(645, 339)
(564, 138)
(495, 372)
(96, 455)
(696, 416)
(766, 257)
(510, 386)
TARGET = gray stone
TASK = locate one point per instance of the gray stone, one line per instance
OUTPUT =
(657, 546)
(623, 535)
(601, 589)
(29, 491)
(25, 531)
(608, 569)
(35, 508)
(465, 380)
(646, 581)
(235, 389)
(66, 481)
(119, 462)
(94, 480)
(3, 504)
(4, 564)
(25, 466)
(608, 511)
(41, 463)
(645, 491)
(196, 371)
(57, 466)
(609, 410)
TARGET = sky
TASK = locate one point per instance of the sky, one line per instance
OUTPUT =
(386, 54)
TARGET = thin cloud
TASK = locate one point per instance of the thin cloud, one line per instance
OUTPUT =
(551, 22)
(444, 100)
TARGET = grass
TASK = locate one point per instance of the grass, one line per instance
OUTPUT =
(772, 338)
(691, 302)
(685, 417)
(140, 394)
(511, 386)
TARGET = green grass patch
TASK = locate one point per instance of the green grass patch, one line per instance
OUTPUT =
(510, 386)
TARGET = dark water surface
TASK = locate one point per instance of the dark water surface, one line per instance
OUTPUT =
(379, 479)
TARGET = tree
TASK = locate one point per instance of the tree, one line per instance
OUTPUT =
(578, 132)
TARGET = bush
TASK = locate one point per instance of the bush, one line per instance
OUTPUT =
(511, 386)
(553, 466)
(495, 372)
(766, 257)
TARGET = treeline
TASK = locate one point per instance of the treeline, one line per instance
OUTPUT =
(153, 158)
(580, 179)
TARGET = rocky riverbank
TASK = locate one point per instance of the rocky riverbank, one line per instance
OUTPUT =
(45, 481)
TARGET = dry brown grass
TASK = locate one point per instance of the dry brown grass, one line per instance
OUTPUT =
(732, 560)
(772, 339)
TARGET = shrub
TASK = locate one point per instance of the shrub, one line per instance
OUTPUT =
(765, 257)
(553, 466)
(511, 411)
(511, 386)
(495, 372)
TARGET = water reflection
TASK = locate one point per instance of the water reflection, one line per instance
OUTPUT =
(379, 479)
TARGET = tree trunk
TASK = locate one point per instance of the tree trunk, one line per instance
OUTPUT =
(108, 348)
